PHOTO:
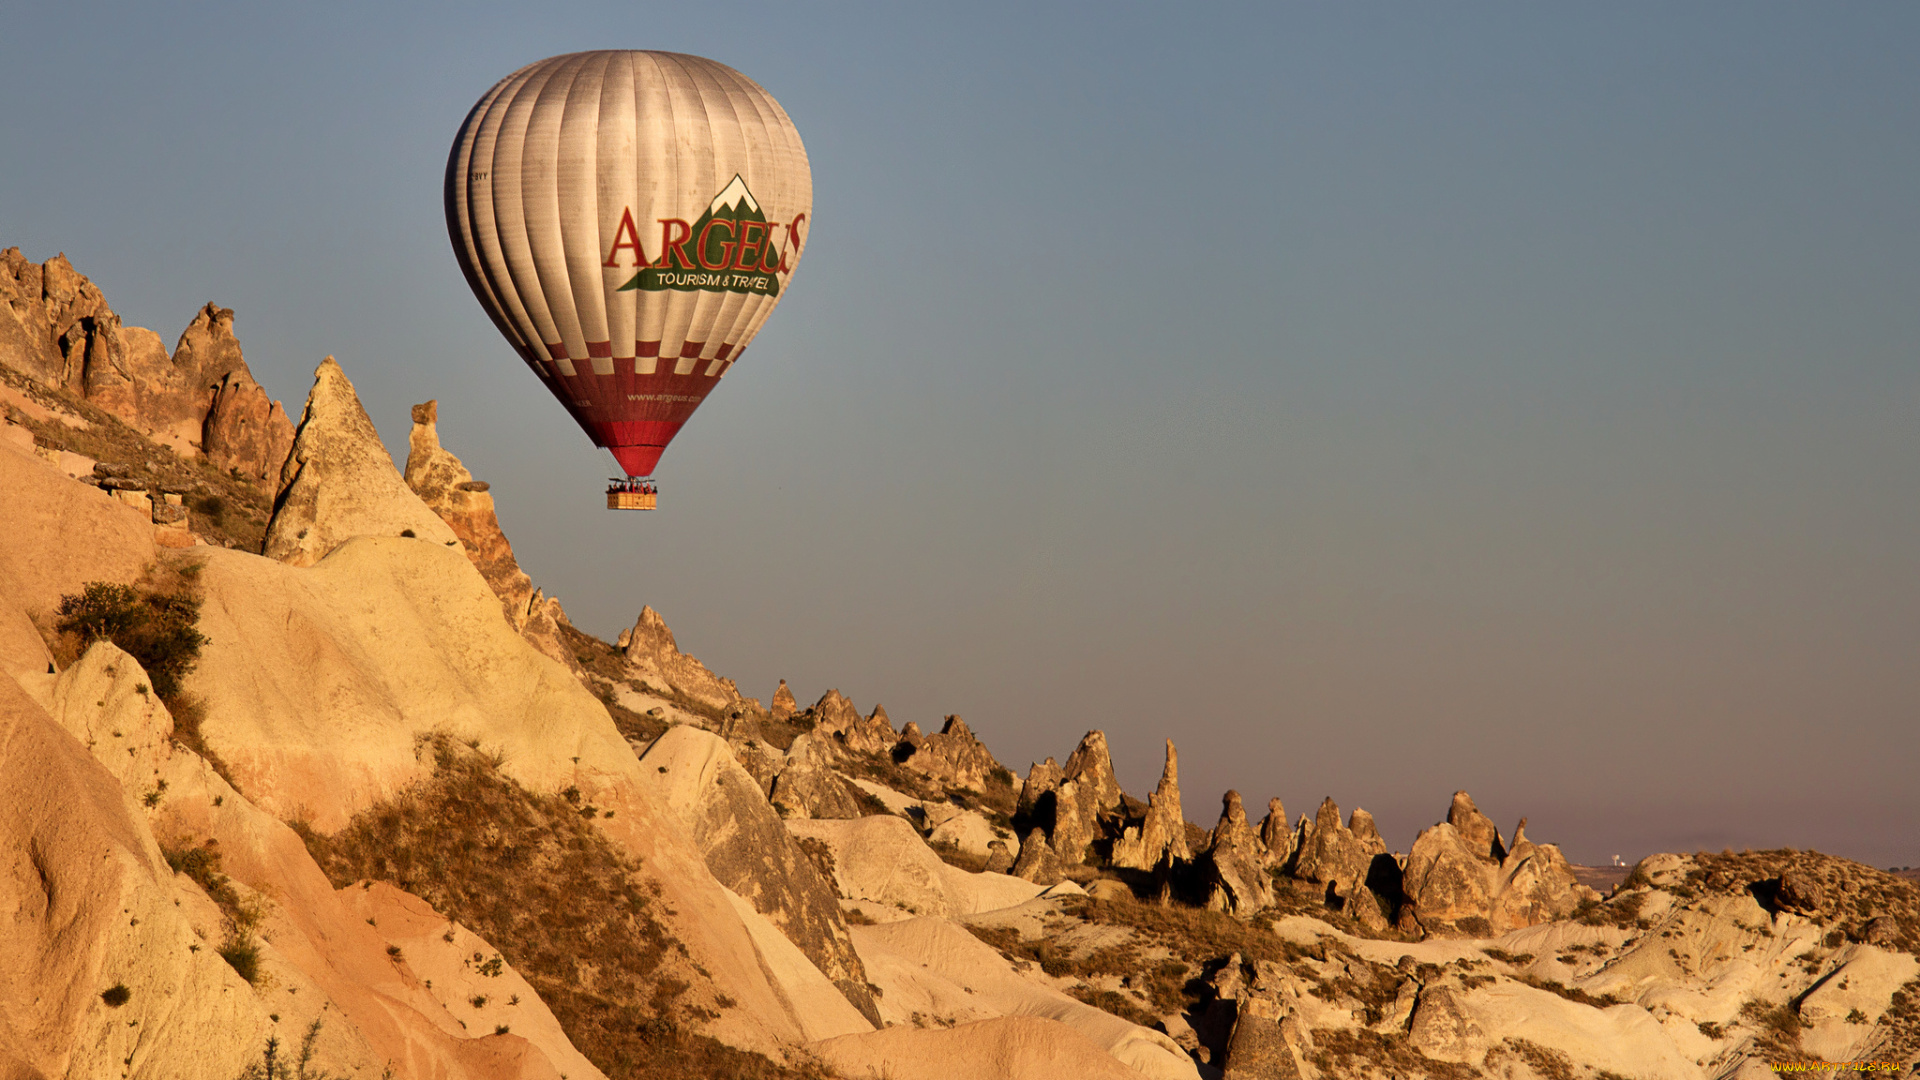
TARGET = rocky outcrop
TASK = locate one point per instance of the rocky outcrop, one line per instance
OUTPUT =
(1091, 767)
(1274, 833)
(1235, 864)
(749, 850)
(838, 718)
(999, 1048)
(317, 960)
(1341, 858)
(1461, 880)
(320, 683)
(56, 328)
(1037, 862)
(783, 704)
(655, 659)
(339, 483)
(1476, 830)
(1163, 835)
(466, 505)
(808, 785)
(1536, 885)
(245, 432)
(954, 758)
(883, 863)
(1082, 802)
(1042, 778)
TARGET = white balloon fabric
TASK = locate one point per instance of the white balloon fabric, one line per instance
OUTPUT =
(629, 219)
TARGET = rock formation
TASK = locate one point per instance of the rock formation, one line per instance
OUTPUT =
(808, 785)
(1235, 865)
(1274, 833)
(654, 657)
(1037, 862)
(838, 718)
(1042, 778)
(693, 773)
(466, 505)
(1085, 798)
(1091, 766)
(56, 328)
(339, 483)
(1163, 835)
(1460, 879)
(783, 704)
(954, 757)
(1340, 857)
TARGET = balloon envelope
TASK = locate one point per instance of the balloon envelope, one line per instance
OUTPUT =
(629, 220)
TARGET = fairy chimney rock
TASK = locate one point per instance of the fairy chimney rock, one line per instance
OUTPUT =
(338, 482)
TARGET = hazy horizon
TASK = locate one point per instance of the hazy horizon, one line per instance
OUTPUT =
(1376, 402)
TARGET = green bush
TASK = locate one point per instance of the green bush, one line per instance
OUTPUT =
(157, 628)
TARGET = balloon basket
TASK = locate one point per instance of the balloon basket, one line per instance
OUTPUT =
(628, 496)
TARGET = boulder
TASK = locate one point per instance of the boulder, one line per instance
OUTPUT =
(744, 843)
(1164, 832)
(808, 785)
(1000, 858)
(655, 659)
(1258, 1049)
(1235, 864)
(339, 483)
(954, 757)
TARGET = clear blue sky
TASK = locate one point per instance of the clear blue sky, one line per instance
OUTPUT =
(1379, 400)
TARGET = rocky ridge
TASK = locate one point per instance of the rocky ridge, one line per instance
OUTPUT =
(795, 890)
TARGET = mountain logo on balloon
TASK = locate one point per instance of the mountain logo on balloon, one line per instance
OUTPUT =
(730, 248)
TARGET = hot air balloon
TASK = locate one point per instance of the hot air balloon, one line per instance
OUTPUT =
(629, 220)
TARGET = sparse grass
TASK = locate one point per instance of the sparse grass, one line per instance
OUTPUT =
(1621, 910)
(116, 995)
(1777, 1028)
(566, 909)
(1356, 1053)
(1571, 993)
(1544, 1061)
(1505, 957)
(240, 949)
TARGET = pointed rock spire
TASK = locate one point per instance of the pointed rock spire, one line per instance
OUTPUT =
(1164, 832)
(783, 704)
(339, 483)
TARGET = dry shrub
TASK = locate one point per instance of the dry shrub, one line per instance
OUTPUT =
(528, 873)
(1343, 1052)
